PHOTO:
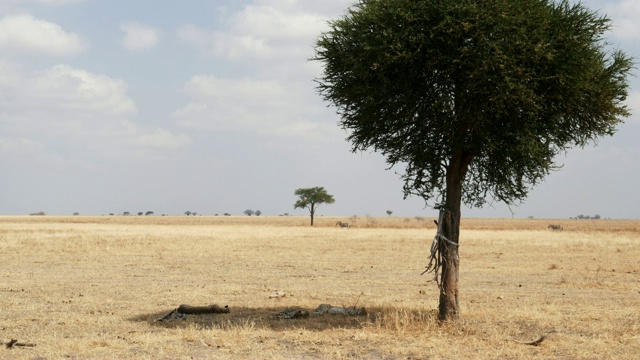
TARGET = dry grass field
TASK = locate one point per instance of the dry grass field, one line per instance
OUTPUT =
(92, 288)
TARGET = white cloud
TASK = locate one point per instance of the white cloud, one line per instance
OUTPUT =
(19, 145)
(139, 37)
(300, 128)
(625, 16)
(231, 103)
(633, 103)
(209, 86)
(326, 8)
(26, 34)
(45, 2)
(13, 4)
(194, 35)
(273, 40)
(62, 90)
(266, 107)
(9, 74)
(267, 32)
(64, 87)
(62, 101)
(57, 2)
(74, 107)
(162, 139)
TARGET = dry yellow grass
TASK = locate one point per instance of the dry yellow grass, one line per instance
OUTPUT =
(91, 288)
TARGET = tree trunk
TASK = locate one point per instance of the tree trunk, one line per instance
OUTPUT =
(449, 307)
(312, 210)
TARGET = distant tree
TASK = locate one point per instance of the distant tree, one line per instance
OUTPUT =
(149, 213)
(187, 212)
(389, 212)
(596, 216)
(76, 213)
(110, 214)
(126, 213)
(258, 213)
(474, 99)
(311, 198)
(227, 214)
(39, 213)
(140, 213)
(248, 212)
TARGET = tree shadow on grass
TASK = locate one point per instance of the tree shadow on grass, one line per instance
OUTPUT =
(266, 318)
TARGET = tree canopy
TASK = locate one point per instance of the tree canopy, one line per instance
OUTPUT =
(311, 198)
(502, 85)
(474, 97)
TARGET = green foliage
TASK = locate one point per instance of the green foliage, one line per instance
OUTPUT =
(311, 198)
(488, 91)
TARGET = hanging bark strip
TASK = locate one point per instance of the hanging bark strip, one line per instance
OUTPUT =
(435, 256)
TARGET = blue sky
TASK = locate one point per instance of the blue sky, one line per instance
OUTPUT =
(209, 106)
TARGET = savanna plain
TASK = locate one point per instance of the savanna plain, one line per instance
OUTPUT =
(93, 287)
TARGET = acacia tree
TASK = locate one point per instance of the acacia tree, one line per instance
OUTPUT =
(311, 198)
(474, 98)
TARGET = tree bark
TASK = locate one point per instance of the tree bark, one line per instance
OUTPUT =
(312, 210)
(449, 305)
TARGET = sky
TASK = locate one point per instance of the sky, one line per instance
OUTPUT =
(210, 106)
